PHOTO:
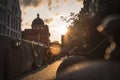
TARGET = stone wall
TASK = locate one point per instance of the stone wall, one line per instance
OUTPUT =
(18, 57)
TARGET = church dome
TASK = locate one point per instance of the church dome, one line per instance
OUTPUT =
(37, 22)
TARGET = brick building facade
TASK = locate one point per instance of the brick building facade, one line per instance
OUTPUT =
(39, 32)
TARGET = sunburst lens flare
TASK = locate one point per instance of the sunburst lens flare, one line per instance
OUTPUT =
(55, 49)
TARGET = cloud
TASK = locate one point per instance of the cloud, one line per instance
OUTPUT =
(27, 24)
(48, 20)
(79, 0)
(54, 3)
(65, 1)
(57, 3)
(49, 4)
(27, 3)
(57, 15)
(34, 3)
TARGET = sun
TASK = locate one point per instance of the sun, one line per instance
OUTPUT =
(63, 30)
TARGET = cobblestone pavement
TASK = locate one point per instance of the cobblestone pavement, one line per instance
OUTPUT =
(47, 73)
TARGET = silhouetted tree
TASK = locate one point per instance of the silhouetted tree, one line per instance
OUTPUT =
(83, 30)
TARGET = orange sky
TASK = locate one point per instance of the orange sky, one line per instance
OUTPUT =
(50, 11)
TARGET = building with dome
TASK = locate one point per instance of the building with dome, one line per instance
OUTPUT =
(39, 32)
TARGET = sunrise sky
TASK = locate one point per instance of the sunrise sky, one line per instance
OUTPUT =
(50, 11)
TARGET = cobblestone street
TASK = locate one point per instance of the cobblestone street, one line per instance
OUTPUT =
(47, 73)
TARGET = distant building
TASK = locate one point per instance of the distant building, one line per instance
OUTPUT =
(10, 18)
(39, 32)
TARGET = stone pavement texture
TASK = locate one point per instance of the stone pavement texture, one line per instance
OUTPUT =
(47, 73)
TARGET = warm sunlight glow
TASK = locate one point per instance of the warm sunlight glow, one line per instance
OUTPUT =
(63, 30)
(55, 49)
(50, 12)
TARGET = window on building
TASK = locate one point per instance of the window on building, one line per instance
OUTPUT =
(16, 11)
(0, 14)
(14, 24)
(11, 22)
(19, 27)
(16, 35)
(8, 18)
(4, 30)
(12, 8)
(19, 36)
(4, 16)
(11, 34)
(7, 32)
(0, 29)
